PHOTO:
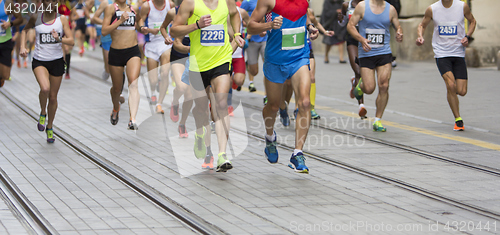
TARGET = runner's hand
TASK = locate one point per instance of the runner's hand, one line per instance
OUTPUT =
(420, 41)
(55, 34)
(154, 31)
(277, 22)
(168, 40)
(5, 24)
(399, 37)
(263, 34)
(366, 46)
(23, 52)
(240, 41)
(329, 33)
(465, 42)
(313, 33)
(205, 21)
(124, 17)
(144, 30)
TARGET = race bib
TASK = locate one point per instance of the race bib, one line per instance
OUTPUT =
(376, 37)
(80, 13)
(47, 38)
(212, 35)
(156, 25)
(2, 32)
(129, 23)
(293, 38)
(448, 30)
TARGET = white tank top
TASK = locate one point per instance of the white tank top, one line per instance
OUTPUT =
(449, 29)
(46, 47)
(155, 19)
(239, 51)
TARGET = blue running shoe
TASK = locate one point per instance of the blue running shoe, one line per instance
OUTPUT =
(285, 120)
(271, 151)
(298, 162)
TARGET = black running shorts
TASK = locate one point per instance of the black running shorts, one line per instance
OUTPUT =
(373, 62)
(55, 67)
(6, 53)
(120, 57)
(456, 65)
(351, 41)
(201, 80)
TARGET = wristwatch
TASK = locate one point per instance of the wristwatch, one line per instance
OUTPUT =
(468, 37)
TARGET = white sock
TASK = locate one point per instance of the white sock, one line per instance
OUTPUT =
(271, 137)
(361, 105)
(377, 119)
(296, 151)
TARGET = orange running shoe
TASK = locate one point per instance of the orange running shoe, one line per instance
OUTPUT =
(25, 64)
(182, 131)
(362, 111)
(18, 63)
(230, 110)
(459, 126)
(208, 163)
(234, 86)
(352, 88)
(159, 109)
(174, 113)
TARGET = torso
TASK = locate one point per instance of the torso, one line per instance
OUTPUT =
(449, 29)
(46, 47)
(375, 26)
(125, 35)
(5, 34)
(155, 19)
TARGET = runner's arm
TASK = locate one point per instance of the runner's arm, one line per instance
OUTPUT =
(256, 26)
(168, 19)
(179, 26)
(355, 18)
(31, 23)
(143, 14)
(235, 23)
(179, 47)
(421, 27)
(397, 25)
(68, 36)
(314, 21)
(98, 12)
(468, 15)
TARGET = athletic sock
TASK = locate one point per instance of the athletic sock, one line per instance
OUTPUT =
(458, 119)
(312, 95)
(271, 138)
(209, 151)
(377, 119)
(296, 151)
(251, 82)
(68, 61)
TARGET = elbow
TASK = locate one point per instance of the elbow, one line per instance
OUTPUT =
(174, 32)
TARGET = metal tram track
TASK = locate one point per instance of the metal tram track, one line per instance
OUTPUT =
(477, 167)
(193, 221)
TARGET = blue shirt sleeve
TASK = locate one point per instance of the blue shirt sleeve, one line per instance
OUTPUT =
(245, 5)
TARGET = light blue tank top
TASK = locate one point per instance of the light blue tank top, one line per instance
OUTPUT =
(375, 28)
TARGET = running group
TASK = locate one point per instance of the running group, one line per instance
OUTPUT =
(203, 44)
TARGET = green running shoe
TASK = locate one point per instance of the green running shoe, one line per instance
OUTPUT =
(314, 115)
(377, 126)
(358, 93)
(41, 123)
(223, 164)
(252, 88)
(50, 136)
(200, 150)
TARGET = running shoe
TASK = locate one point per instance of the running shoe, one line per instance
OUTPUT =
(132, 125)
(122, 99)
(41, 122)
(377, 126)
(82, 50)
(174, 113)
(112, 120)
(212, 126)
(234, 86)
(459, 126)
(295, 112)
(66, 76)
(362, 112)
(25, 64)
(265, 100)
(208, 163)
(50, 136)
(223, 164)
(314, 115)
(173, 83)
(298, 162)
(238, 88)
(159, 109)
(353, 85)
(182, 131)
(252, 88)
(200, 149)
(271, 151)
(143, 62)
(2, 81)
(230, 110)
(18, 63)
(357, 92)
(285, 120)
(86, 45)
(153, 100)
(105, 75)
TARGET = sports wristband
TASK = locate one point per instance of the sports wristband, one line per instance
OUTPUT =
(197, 25)
(468, 37)
(237, 34)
